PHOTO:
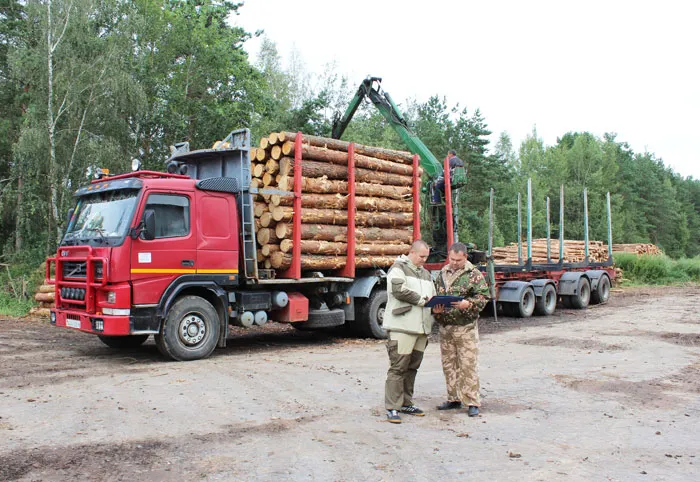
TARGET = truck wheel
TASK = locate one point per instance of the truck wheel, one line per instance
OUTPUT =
(583, 294)
(601, 294)
(547, 303)
(369, 315)
(526, 305)
(123, 342)
(190, 331)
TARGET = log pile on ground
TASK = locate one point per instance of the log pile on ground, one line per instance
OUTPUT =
(383, 196)
(637, 248)
(574, 252)
(45, 296)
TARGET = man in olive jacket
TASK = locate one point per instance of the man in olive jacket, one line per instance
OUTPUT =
(409, 286)
(459, 331)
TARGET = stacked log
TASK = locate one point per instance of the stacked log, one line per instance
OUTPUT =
(574, 252)
(383, 201)
(45, 296)
(637, 248)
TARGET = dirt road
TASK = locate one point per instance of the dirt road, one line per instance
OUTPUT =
(609, 393)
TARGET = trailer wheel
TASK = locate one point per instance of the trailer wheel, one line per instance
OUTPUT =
(370, 315)
(190, 331)
(601, 294)
(123, 342)
(583, 294)
(547, 303)
(526, 305)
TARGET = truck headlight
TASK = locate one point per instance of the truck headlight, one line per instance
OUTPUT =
(111, 297)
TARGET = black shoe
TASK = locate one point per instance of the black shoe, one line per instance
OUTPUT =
(449, 406)
(392, 416)
(473, 411)
(413, 410)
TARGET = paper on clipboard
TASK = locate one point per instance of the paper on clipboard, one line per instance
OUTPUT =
(442, 300)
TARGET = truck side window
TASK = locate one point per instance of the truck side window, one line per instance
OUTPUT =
(172, 214)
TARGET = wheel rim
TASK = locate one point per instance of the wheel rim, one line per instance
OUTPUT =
(550, 300)
(528, 301)
(585, 293)
(604, 291)
(380, 314)
(192, 329)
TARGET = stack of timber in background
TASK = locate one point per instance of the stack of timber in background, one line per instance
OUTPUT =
(383, 197)
(637, 248)
(574, 252)
(45, 296)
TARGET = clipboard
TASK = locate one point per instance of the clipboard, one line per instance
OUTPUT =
(442, 300)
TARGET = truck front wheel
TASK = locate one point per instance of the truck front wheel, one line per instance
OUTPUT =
(369, 315)
(190, 331)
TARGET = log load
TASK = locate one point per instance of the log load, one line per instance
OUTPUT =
(637, 248)
(383, 184)
(574, 252)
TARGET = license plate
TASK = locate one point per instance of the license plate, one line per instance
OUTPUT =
(73, 323)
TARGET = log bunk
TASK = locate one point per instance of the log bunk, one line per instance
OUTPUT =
(332, 188)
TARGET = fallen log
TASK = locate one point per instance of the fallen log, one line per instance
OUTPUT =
(324, 232)
(338, 216)
(340, 201)
(378, 152)
(325, 186)
(338, 157)
(281, 260)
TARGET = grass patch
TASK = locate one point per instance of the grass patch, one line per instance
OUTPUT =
(658, 269)
(18, 283)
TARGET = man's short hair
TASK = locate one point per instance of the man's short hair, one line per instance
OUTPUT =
(452, 151)
(459, 248)
(419, 244)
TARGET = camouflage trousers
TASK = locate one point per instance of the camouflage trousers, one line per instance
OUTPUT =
(459, 347)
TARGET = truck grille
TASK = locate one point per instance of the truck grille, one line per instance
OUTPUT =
(74, 269)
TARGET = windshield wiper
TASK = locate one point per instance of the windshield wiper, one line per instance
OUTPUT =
(99, 231)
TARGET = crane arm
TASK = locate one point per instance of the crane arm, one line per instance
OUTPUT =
(370, 88)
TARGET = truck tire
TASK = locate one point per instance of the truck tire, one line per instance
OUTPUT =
(319, 319)
(583, 294)
(190, 331)
(123, 342)
(526, 306)
(369, 315)
(547, 303)
(601, 294)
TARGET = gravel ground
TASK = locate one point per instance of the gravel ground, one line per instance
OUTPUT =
(607, 393)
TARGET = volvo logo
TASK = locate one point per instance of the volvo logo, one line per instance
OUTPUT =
(64, 253)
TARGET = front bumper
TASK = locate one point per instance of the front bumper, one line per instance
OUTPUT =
(91, 323)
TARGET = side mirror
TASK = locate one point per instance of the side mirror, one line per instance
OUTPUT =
(149, 223)
(147, 226)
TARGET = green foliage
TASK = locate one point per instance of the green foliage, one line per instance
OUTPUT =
(18, 283)
(658, 269)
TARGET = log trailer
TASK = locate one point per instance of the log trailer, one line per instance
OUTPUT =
(173, 254)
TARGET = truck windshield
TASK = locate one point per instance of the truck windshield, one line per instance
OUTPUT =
(102, 218)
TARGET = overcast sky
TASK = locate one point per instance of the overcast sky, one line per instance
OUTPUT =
(629, 67)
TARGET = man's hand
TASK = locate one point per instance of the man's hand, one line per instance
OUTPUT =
(437, 309)
(461, 305)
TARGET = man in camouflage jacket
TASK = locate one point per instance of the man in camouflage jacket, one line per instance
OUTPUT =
(459, 332)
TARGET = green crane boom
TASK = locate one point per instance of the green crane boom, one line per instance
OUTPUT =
(371, 89)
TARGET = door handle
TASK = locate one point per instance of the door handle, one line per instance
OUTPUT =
(187, 263)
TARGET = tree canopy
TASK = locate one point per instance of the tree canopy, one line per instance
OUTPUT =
(88, 83)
